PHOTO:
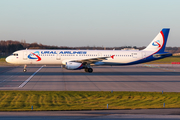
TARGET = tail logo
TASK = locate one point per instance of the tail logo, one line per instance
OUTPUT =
(156, 43)
(34, 55)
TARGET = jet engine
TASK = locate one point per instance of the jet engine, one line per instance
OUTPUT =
(73, 65)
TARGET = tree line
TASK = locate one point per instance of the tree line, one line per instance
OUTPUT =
(7, 47)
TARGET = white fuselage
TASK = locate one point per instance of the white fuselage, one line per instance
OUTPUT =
(114, 57)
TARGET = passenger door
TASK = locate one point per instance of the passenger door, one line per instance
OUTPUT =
(144, 55)
(25, 55)
(99, 54)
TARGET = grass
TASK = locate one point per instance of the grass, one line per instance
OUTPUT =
(2, 59)
(167, 60)
(80, 100)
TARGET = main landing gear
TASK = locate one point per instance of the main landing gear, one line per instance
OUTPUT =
(24, 70)
(90, 70)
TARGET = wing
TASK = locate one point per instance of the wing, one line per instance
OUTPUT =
(93, 60)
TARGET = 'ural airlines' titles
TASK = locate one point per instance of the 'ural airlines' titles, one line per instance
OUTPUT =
(63, 52)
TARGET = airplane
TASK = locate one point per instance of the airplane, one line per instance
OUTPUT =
(84, 59)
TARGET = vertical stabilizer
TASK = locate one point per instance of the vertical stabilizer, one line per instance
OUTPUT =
(159, 42)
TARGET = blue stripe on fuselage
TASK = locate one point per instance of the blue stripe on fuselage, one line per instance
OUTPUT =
(148, 59)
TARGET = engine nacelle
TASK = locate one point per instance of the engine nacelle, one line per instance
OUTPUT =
(73, 65)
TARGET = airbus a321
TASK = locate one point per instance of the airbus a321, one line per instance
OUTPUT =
(84, 59)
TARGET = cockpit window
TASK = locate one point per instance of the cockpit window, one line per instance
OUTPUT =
(15, 54)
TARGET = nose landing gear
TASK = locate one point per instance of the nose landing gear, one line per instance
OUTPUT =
(24, 70)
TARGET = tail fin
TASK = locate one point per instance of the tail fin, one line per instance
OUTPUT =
(159, 42)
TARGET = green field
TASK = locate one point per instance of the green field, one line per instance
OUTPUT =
(79, 100)
(167, 60)
(2, 59)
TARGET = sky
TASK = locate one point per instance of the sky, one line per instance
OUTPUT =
(107, 23)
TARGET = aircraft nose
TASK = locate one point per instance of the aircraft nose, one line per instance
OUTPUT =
(8, 59)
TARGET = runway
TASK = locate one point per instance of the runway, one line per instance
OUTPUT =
(148, 114)
(123, 78)
(141, 77)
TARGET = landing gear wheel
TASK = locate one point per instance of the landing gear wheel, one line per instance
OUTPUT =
(90, 70)
(24, 70)
(86, 69)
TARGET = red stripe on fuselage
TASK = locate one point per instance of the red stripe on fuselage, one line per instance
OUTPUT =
(37, 56)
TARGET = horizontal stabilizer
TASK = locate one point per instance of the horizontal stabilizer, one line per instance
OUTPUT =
(161, 55)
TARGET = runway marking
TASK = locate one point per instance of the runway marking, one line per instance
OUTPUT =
(6, 79)
(25, 82)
